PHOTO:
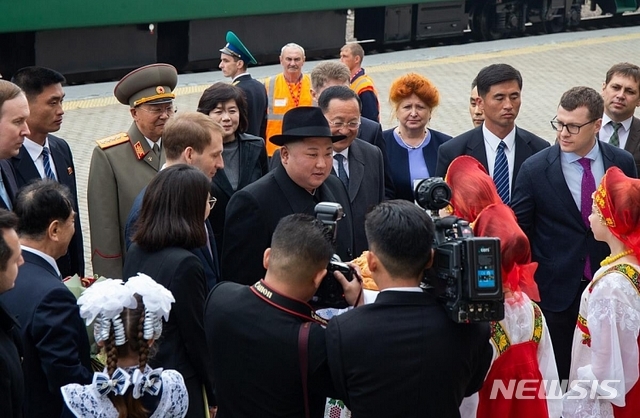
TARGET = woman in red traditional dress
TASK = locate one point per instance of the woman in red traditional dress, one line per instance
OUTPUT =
(523, 360)
(605, 357)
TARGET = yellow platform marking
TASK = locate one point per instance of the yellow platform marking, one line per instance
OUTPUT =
(534, 49)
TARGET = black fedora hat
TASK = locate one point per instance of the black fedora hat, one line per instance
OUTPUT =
(304, 122)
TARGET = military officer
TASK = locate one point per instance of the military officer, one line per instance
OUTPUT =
(123, 164)
(234, 60)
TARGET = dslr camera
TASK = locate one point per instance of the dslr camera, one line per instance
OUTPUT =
(467, 269)
(330, 293)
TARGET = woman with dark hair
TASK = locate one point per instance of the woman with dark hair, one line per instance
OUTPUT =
(171, 223)
(605, 354)
(412, 149)
(244, 155)
(521, 341)
(127, 320)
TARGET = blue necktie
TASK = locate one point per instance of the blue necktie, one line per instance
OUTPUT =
(342, 173)
(501, 173)
(47, 164)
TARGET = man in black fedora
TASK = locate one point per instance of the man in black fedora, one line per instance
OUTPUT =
(297, 186)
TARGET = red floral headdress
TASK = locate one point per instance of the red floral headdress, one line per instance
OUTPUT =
(618, 200)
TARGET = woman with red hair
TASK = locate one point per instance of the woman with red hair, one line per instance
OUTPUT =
(412, 149)
(522, 346)
(605, 355)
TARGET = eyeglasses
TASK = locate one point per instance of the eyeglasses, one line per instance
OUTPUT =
(169, 110)
(572, 129)
(212, 202)
(351, 125)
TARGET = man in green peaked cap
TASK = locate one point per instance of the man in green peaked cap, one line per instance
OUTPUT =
(234, 59)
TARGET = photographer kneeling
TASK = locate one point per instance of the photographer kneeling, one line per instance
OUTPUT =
(253, 332)
(402, 356)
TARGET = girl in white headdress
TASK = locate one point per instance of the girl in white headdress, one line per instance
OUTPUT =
(127, 320)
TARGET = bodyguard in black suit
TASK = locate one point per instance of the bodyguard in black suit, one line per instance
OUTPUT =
(547, 201)
(255, 334)
(297, 186)
(234, 60)
(499, 88)
(43, 88)
(402, 356)
(54, 337)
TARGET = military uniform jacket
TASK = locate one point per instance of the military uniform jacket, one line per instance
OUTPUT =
(120, 168)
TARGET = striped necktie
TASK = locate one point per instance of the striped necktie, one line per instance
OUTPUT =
(501, 173)
(47, 164)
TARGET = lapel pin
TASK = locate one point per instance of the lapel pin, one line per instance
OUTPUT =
(70, 170)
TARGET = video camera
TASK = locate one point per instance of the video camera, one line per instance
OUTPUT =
(330, 293)
(468, 267)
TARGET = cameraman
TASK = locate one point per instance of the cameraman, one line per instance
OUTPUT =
(253, 331)
(402, 356)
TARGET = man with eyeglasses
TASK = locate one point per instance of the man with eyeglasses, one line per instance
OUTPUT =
(552, 199)
(123, 164)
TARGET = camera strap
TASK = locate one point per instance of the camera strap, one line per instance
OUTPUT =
(291, 306)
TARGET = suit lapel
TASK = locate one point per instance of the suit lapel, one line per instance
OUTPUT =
(555, 176)
(633, 140)
(25, 167)
(430, 154)
(476, 149)
(9, 179)
(64, 169)
(248, 156)
(222, 181)
(522, 152)
(356, 171)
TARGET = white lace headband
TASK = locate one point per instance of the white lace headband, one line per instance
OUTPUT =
(104, 301)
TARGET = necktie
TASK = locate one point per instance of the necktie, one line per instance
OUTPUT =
(586, 201)
(342, 173)
(47, 164)
(501, 173)
(615, 140)
(156, 150)
(3, 193)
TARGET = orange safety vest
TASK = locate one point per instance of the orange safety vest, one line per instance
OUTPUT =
(362, 84)
(280, 101)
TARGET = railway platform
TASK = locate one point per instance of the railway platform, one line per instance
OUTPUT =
(550, 65)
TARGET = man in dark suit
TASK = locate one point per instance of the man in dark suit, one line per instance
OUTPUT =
(498, 144)
(302, 181)
(402, 355)
(234, 60)
(193, 139)
(621, 94)
(46, 156)
(54, 337)
(358, 164)
(552, 200)
(261, 328)
(14, 111)
(331, 73)
(12, 382)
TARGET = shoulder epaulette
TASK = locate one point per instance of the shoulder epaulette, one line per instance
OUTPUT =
(112, 140)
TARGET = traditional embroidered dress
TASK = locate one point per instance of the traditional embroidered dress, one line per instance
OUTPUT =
(522, 351)
(85, 401)
(605, 354)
